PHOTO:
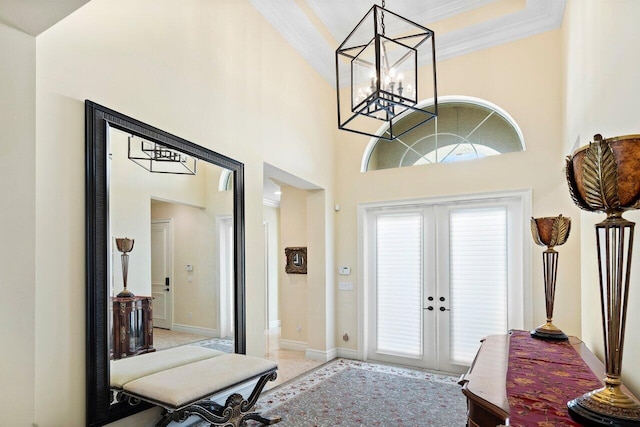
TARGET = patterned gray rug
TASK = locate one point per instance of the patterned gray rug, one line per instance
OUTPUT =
(220, 344)
(351, 393)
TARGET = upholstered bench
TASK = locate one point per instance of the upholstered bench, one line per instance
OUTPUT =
(132, 368)
(182, 380)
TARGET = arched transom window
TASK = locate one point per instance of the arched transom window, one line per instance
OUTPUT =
(465, 129)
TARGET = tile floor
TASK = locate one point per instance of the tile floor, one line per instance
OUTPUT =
(290, 363)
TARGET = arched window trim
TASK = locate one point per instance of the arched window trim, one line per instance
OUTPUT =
(442, 100)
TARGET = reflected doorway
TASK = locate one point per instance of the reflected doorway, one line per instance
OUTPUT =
(161, 272)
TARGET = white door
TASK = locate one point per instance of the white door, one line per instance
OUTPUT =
(161, 273)
(437, 280)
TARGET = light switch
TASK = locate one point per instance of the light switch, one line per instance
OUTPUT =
(345, 286)
(344, 270)
(189, 267)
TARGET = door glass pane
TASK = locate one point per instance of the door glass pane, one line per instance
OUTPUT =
(399, 284)
(478, 278)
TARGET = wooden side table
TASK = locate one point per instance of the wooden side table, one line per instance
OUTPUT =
(484, 384)
(132, 331)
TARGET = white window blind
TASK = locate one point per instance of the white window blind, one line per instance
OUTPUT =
(399, 284)
(478, 278)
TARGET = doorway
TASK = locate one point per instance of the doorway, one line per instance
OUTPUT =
(440, 276)
(161, 273)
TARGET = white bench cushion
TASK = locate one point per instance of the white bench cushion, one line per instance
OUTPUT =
(131, 368)
(186, 384)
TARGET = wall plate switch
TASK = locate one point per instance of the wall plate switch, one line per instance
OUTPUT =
(344, 270)
(345, 286)
(189, 267)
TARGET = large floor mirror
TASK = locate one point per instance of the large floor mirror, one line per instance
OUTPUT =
(165, 249)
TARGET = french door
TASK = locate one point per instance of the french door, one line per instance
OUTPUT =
(439, 277)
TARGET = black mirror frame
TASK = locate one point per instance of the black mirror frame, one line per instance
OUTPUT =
(97, 121)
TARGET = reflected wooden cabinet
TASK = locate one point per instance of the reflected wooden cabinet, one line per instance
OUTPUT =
(132, 331)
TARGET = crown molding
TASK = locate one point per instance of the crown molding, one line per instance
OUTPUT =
(536, 17)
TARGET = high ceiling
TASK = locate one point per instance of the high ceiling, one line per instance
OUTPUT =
(35, 16)
(315, 28)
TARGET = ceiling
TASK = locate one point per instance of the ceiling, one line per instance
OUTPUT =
(35, 16)
(315, 28)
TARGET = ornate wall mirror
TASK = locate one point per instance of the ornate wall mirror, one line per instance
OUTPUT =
(296, 260)
(164, 194)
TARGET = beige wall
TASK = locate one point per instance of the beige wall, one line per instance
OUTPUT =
(215, 73)
(131, 189)
(18, 226)
(195, 293)
(602, 92)
(293, 288)
(523, 78)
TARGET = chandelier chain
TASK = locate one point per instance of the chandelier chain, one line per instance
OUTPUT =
(382, 18)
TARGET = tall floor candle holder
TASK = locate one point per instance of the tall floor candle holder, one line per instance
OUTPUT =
(550, 232)
(125, 246)
(605, 177)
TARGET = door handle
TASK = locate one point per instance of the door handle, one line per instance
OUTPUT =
(444, 309)
(167, 290)
(430, 308)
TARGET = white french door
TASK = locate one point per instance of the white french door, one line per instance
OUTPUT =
(441, 276)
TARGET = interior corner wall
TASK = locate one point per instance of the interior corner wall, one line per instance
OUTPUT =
(17, 225)
(602, 63)
(293, 288)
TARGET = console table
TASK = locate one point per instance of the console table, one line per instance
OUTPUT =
(484, 384)
(132, 326)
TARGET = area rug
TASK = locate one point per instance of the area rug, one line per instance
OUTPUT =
(220, 344)
(351, 393)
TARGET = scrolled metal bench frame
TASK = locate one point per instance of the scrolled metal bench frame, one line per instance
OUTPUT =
(233, 413)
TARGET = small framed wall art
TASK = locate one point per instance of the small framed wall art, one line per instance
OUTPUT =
(296, 260)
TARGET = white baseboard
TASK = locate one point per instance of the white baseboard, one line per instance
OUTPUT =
(292, 345)
(322, 355)
(207, 332)
(347, 353)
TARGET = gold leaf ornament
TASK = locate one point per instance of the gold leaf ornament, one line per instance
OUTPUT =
(600, 177)
(535, 233)
(560, 231)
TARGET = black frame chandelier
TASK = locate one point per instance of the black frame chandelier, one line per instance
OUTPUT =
(157, 158)
(377, 76)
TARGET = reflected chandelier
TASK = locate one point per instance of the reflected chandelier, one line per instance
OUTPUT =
(377, 74)
(157, 158)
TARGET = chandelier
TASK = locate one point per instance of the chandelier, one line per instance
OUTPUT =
(377, 75)
(157, 158)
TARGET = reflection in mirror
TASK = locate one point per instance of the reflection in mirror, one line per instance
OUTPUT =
(179, 277)
(171, 213)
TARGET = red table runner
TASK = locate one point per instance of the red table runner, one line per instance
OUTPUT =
(542, 376)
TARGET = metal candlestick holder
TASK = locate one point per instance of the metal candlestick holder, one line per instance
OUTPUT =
(550, 232)
(605, 177)
(125, 246)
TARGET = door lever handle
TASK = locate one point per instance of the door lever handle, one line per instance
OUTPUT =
(444, 309)
(430, 308)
